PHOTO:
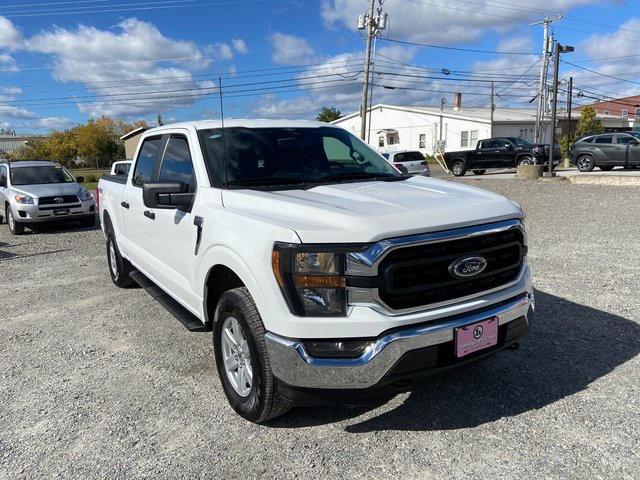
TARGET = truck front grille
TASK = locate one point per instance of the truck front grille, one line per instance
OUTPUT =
(55, 200)
(419, 275)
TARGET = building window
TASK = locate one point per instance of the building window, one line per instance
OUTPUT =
(625, 113)
(381, 141)
(464, 139)
(392, 140)
(422, 140)
(637, 112)
(605, 112)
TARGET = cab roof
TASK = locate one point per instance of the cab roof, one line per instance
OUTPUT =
(30, 163)
(240, 122)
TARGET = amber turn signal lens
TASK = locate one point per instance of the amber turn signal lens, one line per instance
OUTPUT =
(319, 281)
(275, 264)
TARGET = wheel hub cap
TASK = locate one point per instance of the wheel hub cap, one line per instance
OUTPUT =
(236, 357)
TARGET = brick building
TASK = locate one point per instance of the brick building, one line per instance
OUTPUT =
(621, 107)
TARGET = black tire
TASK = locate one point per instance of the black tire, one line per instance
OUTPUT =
(525, 160)
(606, 168)
(119, 268)
(263, 401)
(479, 172)
(89, 221)
(15, 228)
(585, 163)
(459, 168)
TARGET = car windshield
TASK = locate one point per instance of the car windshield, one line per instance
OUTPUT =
(523, 142)
(634, 133)
(41, 174)
(281, 157)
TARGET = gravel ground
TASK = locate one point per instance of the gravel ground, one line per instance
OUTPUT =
(99, 382)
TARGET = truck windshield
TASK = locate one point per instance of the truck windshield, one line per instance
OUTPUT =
(268, 157)
(40, 175)
(523, 142)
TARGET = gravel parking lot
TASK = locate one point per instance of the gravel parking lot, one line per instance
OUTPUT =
(99, 382)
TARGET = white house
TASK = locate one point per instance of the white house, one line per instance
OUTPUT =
(393, 127)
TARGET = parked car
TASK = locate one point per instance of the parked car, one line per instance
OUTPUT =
(35, 192)
(606, 151)
(324, 273)
(500, 152)
(121, 167)
(413, 161)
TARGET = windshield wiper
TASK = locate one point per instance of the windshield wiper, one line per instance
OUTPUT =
(265, 181)
(366, 176)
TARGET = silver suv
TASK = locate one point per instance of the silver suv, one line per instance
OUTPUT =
(414, 161)
(37, 191)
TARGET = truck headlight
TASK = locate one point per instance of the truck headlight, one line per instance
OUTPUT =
(85, 196)
(25, 199)
(312, 278)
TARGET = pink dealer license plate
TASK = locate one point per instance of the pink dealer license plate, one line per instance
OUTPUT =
(477, 336)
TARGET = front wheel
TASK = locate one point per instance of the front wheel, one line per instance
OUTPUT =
(526, 160)
(459, 168)
(585, 163)
(242, 359)
(15, 228)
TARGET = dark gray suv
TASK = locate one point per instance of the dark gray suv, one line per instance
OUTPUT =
(606, 151)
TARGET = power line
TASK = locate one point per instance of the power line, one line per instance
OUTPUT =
(457, 49)
(601, 74)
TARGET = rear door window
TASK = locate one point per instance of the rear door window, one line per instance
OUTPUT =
(409, 157)
(149, 153)
(176, 163)
(624, 139)
(604, 139)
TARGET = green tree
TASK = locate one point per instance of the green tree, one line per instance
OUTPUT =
(328, 114)
(589, 124)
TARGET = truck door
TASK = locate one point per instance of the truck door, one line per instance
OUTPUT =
(171, 234)
(485, 154)
(621, 155)
(504, 153)
(136, 225)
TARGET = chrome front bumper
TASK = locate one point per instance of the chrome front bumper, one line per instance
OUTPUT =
(292, 364)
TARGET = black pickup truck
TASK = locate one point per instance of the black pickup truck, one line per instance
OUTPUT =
(500, 152)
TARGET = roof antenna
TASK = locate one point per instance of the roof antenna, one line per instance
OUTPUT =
(224, 145)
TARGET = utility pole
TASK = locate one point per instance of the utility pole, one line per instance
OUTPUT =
(492, 107)
(442, 102)
(554, 106)
(372, 25)
(569, 106)
(544, 68)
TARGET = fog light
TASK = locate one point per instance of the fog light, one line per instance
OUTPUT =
(336, 348)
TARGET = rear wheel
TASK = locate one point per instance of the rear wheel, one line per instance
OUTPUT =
(605, 168)
(585, 163)
(242, 359)
(479, 172)
(15, 228)
(459, 168)
(119, 268)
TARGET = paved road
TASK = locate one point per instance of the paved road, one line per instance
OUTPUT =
(98, 382)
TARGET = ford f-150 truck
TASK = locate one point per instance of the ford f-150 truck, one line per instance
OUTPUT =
(323, 272)
(501, 152)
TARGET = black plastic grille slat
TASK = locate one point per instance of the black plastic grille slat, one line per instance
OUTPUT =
(52, 200)
(419, 275)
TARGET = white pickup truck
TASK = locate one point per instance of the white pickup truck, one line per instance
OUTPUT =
(324, 273)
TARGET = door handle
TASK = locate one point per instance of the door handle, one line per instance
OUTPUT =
(198, 222)
(150, 214)
(124, 204)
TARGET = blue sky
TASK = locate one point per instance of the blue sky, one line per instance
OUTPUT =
(64, 61)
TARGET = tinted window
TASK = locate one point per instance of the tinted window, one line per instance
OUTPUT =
(278, 156)
(122, 168)
(146, 161)
(502, 143)
(586, 140)
(489, 144)
(176, 164)
(604, 139)
(3, 171)
(625, 139)
(409, 157)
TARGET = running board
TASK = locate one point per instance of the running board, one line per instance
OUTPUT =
(184, 316)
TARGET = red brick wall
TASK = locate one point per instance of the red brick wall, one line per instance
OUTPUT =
(631, 104)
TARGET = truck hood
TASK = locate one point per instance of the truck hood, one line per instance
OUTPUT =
(369, 211)
(49, 190)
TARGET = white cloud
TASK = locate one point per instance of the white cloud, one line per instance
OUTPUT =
(7, 63)
(221, 51)
(290, 50)
(240, 46)
(52, 123)
(440, 20)
(10, 37)
(8, 112)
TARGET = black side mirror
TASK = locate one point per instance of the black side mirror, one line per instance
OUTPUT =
(3, 181)
(80, 179)
(509, 146)
(168, 196)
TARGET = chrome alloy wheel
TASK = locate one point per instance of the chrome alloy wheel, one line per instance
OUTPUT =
(457, 168)
(236, 356)
(113, 262)
(10, 220)
(584, 163)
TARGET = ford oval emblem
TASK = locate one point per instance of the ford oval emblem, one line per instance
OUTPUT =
(468, 267)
